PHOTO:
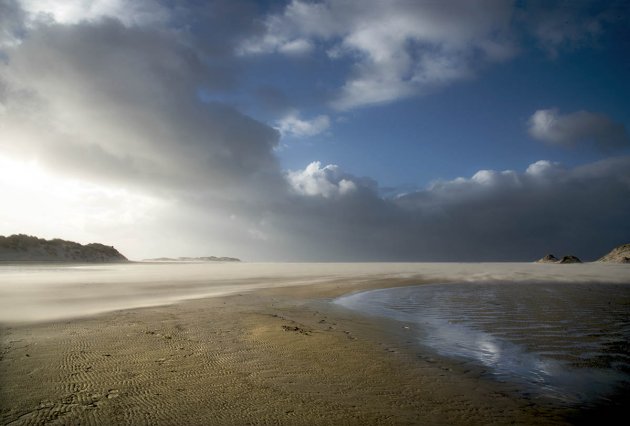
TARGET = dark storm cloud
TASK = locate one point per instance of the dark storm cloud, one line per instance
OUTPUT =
(121, 103)
(11, 23)
(490, 216)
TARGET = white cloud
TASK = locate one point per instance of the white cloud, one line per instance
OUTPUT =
(543, 169)
(328, 181)
(400, 48)
(137, 12)
(491, 177)
(579, 127)
(292, 125)
(296, 47)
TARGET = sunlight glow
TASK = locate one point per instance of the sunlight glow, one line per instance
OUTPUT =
(36, 201)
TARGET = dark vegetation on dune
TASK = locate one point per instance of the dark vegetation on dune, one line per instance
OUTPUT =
(23, 247)
(550, 258)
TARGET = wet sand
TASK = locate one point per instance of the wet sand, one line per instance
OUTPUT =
(270, 356)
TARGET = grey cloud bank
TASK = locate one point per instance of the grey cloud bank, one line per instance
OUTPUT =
(119, 103)
(581, 127)
(491, 216)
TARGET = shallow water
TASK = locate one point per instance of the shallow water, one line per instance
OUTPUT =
(567, 342)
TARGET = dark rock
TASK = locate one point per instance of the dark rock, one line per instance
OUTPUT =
(550, 258)
(570, 259)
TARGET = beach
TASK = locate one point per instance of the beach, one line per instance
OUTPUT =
(248, 344)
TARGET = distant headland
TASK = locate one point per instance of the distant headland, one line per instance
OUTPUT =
(193, 259)
(26, 248)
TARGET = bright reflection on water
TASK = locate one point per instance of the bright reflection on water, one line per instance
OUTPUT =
(564, 341)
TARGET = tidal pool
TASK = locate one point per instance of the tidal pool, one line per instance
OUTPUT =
(569, 342)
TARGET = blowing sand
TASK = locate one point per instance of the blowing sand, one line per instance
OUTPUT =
(267, 355)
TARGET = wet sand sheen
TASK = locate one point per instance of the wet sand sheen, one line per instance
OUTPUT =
(564, 342)
(276, 355)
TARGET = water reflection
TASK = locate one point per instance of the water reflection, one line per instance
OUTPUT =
(567, 342)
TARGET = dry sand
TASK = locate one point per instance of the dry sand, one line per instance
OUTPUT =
(280, 355)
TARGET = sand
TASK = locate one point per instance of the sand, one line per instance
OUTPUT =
(275, 355)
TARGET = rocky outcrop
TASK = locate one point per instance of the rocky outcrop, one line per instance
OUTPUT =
(26, 248)
(570, 259)
(550, 258)
(619, 254)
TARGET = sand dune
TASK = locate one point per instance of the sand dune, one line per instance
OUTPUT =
(619, 254)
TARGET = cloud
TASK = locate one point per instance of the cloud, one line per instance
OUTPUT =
(113, 102)
(119, 104)
(296, 47)
(292, 125)
(138, 12)
(580, 127)
(492, 215)
(11, 24)
(400, 48)
(274, 44)
(328, 181)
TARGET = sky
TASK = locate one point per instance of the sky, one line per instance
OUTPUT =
(330, 130)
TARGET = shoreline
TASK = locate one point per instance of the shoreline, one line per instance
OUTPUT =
(45, 292)
(282, 355)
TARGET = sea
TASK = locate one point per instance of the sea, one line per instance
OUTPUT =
(564, 342)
